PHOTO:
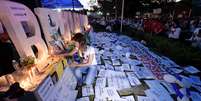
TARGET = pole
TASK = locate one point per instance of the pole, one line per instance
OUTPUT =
(189, 14)
(115, 13)
(73, 14)
(73, 5)
(122, 15)
(115, 9)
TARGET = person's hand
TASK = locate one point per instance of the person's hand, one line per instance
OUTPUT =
(73, 64)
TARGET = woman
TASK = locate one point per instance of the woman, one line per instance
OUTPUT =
(88, 62)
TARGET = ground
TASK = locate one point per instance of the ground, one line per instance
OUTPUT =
(129, 71)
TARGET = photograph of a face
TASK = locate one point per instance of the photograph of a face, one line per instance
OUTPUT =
(27, 29)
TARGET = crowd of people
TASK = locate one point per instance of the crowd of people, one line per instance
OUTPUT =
(182, 27)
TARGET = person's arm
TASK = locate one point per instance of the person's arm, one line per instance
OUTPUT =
(89, 62)
(75, 49)
(72, 52)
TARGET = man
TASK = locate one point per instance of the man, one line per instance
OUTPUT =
(88, 62)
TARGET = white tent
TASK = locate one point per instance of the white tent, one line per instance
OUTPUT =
(87, 4)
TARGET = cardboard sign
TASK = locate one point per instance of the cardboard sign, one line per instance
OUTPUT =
(64, 62)
(59, 69)
(13, 16)
(77, 23)
(52, 23)
(68, 16)
(85, 20)
(45, 90)
(67, 25)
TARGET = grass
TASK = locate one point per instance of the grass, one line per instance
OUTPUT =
(179, 51)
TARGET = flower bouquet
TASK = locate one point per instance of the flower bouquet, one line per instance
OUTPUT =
(27, 61)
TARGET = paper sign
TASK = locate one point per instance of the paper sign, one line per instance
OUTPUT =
(191, 69)
(144, 73)
(101, 82)
(111, 93)
(143, 98)
(83, 99)
(195, 96)
(118, 68)
(102, 73)
(45, 90)
(119, 99)
(119, 83)
(126, 67)
(72, 96)
(99, 93)
(65, 62)
(99, 99)
(115, 62)
(169, 87)
(59, 69)
(157, 91)
(109, 67)
(87, 90)
(197, 87)
(128, 98)
(195, 80)
(134, 81)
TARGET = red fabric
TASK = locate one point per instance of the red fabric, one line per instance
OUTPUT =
(153, 26)
(4, 36)
(147, 25)
(157, 27)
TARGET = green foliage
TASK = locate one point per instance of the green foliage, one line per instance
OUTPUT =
(70, 48)
(27, 61)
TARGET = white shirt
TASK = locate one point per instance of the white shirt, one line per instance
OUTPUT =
(175, 34)
(177, 31)
(90, 50)
(196, 31)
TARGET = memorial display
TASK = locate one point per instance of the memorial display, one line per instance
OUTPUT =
(36, 60)
(126, 70)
